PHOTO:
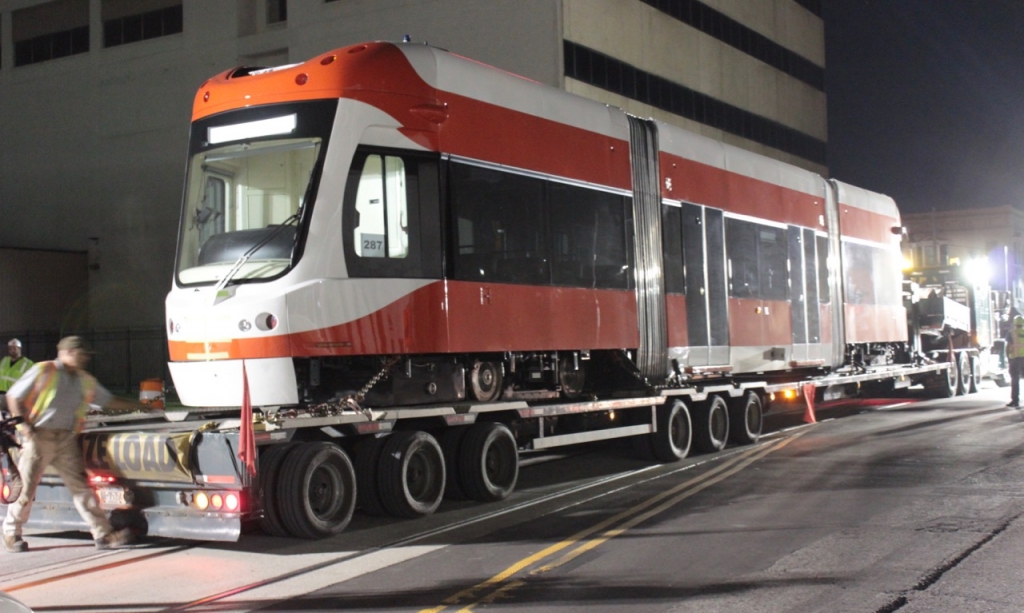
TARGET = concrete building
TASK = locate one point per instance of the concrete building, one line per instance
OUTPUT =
(96, 96)
(994, 235)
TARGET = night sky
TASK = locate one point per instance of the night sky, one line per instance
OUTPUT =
(926, 100)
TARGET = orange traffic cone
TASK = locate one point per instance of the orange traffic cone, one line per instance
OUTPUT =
(809, 390)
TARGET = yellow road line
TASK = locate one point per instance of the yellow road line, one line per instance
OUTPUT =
(729, 467)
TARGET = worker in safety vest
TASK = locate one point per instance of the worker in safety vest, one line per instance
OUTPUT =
(12, 367)
(1015, 354)
(53, 397)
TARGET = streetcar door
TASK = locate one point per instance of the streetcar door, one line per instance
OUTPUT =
(707, 304)
(803, 296)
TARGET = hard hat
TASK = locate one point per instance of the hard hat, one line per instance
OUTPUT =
(14, 342)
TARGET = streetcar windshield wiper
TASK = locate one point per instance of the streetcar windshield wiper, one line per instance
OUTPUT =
(242, 259)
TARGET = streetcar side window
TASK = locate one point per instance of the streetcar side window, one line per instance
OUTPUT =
(588, 241)
(672, 242)
(773, 261)
(741, 251)
(824, 290)
(512, 228)
(390, 220)
(498, 225)
(871, 275)
(758, 260)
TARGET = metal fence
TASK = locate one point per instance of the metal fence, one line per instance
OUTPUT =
(123, 357)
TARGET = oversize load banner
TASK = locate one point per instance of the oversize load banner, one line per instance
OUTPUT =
(138, 456)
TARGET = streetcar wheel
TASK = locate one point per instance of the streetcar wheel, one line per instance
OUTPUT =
(270, 463)
(570, 378)
(963, 369)
(485, 379)
(489, 462)
(411, 474)
(367, 460)
(319, 490)
(711, 429)
(671, 442)
(451, 444)
(746, 418)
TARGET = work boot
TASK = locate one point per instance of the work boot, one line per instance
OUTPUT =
(14, 544)
(116, 540)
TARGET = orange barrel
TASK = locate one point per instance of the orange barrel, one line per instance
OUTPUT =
(151, 391)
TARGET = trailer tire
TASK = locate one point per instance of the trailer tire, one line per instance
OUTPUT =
(964, 374)
(711, 426)
(411, 474)
(318, 484)
(671, 442)
(269, 472)
(489, 462)
(367, 462)
(451, 446)
(746, 419)
(943, 385)
(975, 373)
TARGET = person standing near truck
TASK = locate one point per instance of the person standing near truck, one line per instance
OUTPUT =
(1015, 354)
(12, 367)
(53, 398)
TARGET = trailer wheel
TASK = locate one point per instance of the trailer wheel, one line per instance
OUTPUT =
(746, 419)
(367, 461)
(975, 373)
(451, 446)
(269, 472)
(318, 485)
(671, 442)
(963, 370)
(485, 380)
(411, 474)
(489, 462)
(711, 429)
(943, 385)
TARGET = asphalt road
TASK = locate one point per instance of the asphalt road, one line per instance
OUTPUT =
(909, 505)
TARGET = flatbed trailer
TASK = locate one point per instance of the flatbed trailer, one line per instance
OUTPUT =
(182, 477)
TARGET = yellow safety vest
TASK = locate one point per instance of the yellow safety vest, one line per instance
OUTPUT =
(9, 373)
(1016, 338)
(45, 389)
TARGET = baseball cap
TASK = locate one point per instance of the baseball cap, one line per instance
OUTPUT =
(73, 342)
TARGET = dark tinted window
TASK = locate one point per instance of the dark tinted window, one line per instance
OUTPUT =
(510, 228)
(672, 241)
(773, 263)
(824, 291)
(758, 260)
(741, 249)
(588, 241)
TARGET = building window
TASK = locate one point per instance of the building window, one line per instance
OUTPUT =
(125, 22)
(595, 68)
(277, 11)
(50, 31)
(733, 33)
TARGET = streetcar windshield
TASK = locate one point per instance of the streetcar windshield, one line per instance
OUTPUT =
(241, 210)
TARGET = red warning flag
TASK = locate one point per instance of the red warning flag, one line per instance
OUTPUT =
(808, 390)
(246, 437)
